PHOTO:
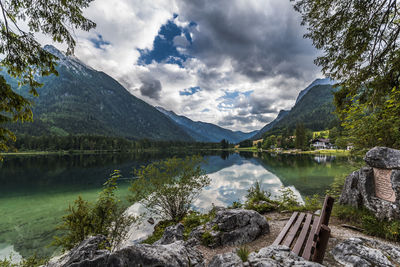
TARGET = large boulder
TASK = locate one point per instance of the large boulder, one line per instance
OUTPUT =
(171, 234)
(231, 227)
(377, 185)
(366, 252)
(383, 157)
(173, 254)
(89, 249)
(277, 256)
(226, 260)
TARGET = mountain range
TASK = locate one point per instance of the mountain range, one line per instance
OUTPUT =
(206, 132)
(314, 108)
(81, 100)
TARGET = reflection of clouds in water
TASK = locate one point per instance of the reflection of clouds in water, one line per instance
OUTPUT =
(227, 185)
(231, 184)
(141, 229)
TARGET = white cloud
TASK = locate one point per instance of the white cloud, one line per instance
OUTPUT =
(238, 46)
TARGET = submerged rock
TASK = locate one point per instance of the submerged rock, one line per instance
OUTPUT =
(232, 227)
(366, 252)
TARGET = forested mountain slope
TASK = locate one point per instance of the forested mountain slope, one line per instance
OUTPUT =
(82, 100)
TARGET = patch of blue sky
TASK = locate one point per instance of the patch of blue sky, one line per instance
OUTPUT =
(229, 100)
(206, 110)
(190, 91)
(164, 49)
(99, 41)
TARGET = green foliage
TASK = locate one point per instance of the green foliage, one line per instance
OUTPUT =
(224, 144)
(314, 110)
(236, 205)
(260, 201)
(105, 217)
(158, 231)
(359, 44)
(367, 221)
(32, 261)
(301, 138)
(207, 239)
(168, 188)
(256, 193)
(23, 57)
(367, 127)
(192, 220)
(270, 142)
(243, 253)
(287, 198)
(246, 143)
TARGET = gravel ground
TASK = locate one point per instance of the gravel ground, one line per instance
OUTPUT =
(276, 222)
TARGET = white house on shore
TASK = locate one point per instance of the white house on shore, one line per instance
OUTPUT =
(322, 143)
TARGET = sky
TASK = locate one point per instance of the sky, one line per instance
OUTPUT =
(234, 63)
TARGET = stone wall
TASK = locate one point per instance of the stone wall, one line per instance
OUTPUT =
(377, 185)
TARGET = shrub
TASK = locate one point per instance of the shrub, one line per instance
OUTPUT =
(32, 261)
(236, 205)
(192, 220)
(243, 253)
(168, 188)
(158, 232)
(261, 207)
(105, 217)
(287, 198)
(207, 239)
(256, 194)
(367, 221)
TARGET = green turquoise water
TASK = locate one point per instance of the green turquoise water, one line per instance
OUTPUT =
(36, 190)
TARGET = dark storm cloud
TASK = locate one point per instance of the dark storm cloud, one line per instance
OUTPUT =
(150, 87)
(261, 106)
(261, 38)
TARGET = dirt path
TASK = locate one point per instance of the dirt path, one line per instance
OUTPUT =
(276, 222)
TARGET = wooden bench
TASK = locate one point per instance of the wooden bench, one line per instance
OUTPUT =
(308, 235)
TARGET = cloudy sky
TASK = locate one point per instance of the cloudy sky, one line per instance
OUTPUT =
(234, 63)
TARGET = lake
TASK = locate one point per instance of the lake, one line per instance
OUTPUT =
(35, 191)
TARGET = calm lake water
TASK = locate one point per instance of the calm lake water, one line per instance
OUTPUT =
(35, 191)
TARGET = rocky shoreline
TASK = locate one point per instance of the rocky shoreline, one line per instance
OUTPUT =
(236, 228)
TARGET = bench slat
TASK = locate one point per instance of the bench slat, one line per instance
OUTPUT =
(292, 233)
(303, 235)
(310, 241)
(285, 229)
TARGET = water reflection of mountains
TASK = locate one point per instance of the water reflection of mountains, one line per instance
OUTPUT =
(19, 175)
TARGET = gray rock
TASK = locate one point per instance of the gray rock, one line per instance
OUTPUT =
(359, 187)
(87, 251)
(174, 254)
(171, 234)
(366, 252)
(276, 256)
(383, 158)
(233, 227)
(226, 260)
